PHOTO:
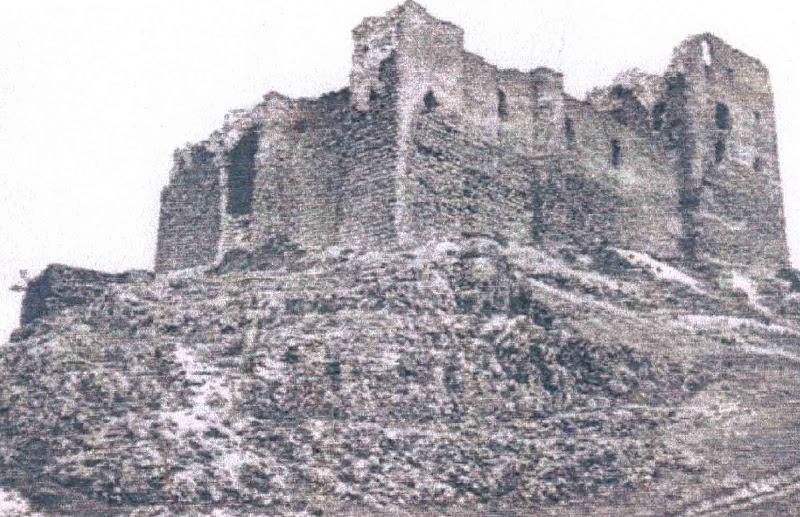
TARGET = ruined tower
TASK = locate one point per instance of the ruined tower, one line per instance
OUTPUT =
(720, 118)
(430, 142)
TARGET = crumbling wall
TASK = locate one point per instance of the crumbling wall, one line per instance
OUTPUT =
(431, 142)
(318, 168)
(275, 212)
(235, 151)
(439, 160)
(550, 125)
(190, 220)
(623, 104)
(480, 97)
(430, 58)
(368, 161)
(615, 187)
(420, 58)
(59, 287)
(729, 155)
(299, 181)
(516, 126)
(466, 185)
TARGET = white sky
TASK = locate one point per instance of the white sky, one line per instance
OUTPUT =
(95, 95)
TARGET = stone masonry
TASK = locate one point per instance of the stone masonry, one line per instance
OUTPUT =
(431, 143)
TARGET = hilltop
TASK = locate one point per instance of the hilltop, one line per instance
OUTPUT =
(446, 289)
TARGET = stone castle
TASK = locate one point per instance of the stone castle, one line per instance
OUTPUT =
(430, 142)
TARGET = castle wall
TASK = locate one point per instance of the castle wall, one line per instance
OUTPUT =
(516, 126)
(275, 184)
(731, 172)
(235, 157)
(318, 165)
(592, 200)
(60, 287)
(466, 185)
(430, 58)
(425, 55)
(430, 64)
(439, 157)
(480, 98)
(549, 119)
(318, 171)
(431, 143)
(190, 220)
(513, 109)
(326, 170)
(368, 161)
(299, 184)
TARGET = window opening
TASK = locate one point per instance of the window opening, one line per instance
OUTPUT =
(569, 131)
(722, 116)
(658, 115)
(502, 105)
(616, 153)
(719, 151)
(241, 175)
(430, 101)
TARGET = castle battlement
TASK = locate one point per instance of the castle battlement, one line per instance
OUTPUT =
(431, 142)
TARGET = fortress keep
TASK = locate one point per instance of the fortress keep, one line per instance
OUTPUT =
(431, 142)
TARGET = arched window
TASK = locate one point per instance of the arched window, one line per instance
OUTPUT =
(616, 153)
(502, 105)
(658, 115)
(722, 116)
(430, 101)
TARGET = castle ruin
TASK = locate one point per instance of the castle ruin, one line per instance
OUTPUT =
(430, 142)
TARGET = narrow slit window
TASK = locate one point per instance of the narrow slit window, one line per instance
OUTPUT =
(430, 101)
(616, 153)
(719, 151)
(569, 131)
(758, 164)
(658, 116)
(502, 105)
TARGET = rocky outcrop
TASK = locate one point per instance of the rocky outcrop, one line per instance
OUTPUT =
(451, 376)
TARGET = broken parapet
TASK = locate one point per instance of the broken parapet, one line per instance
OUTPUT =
(59, 287)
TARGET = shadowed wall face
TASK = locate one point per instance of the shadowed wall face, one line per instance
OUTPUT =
(241, 174)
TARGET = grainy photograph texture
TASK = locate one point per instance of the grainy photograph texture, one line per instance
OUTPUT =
(448, 288)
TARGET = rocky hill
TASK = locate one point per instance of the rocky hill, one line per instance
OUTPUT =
(477, 377)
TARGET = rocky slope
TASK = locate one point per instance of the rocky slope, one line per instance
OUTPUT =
(471, 377)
